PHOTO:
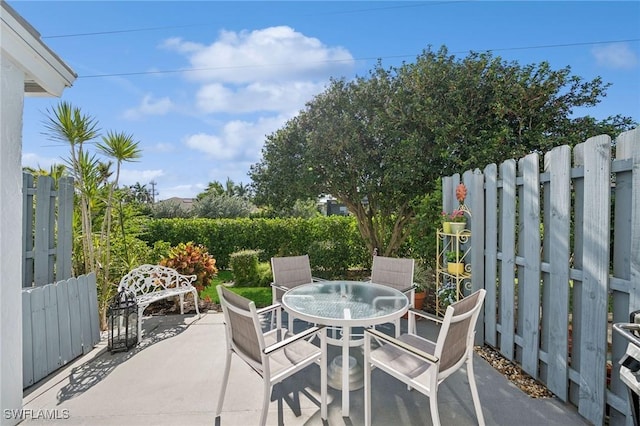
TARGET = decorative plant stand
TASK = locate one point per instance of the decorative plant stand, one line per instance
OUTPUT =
(459, 278)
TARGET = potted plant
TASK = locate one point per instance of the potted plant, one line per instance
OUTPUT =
(422, 276)
(455, 266)
(447, 294)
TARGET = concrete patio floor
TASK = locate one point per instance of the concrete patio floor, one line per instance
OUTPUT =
(173, 378)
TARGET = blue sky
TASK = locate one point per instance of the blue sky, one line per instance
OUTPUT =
(200, 84)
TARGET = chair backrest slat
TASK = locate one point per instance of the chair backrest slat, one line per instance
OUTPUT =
(291, 271)
(392, 272)
(239, 316)
(456, 334)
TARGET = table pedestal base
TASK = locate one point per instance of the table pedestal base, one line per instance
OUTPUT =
(356, 374)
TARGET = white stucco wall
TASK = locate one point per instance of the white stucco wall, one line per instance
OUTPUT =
(11, 106)
(27, 66)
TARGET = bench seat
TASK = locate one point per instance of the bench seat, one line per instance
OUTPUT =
(151, 283)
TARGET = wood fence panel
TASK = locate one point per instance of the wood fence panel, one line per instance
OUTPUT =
(593, 348)
(42, 243)
(628, 147)
(52, 334)
(85, 317)
(626, 260)
(491, 253)
(64, 321)
(556, 308)
(38, 330)
(60, 323)
(64, 241)
(27, 229)
(475, 184)
(93, 308)
(531, 243)
(27, 341)
(577, 266)
(75, 317)
(508, 259)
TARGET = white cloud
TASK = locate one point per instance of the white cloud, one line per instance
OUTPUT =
(616, 55)
(130, 177)
(149, 106)
(164, 147)
(270, 54)
(30, 159)
(237, 140)
(259, 96)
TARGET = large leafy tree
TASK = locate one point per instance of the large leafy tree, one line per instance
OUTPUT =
(379, 143)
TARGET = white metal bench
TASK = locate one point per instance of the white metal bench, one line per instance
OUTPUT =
(150, 283)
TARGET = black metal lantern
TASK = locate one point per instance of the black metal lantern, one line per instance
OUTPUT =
(122, 317)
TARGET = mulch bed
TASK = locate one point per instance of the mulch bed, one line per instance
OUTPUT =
(514, 373)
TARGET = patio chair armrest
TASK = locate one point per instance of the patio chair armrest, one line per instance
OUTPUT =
(426, 315)
(403, 346)
(317, 279)
(268, 308)
(302, 335)
(280, 287)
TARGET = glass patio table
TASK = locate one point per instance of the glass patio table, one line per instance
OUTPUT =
(345, 304)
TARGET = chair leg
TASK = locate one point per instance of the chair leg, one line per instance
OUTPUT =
(182, 304)
(433, 399)
(225, 380)
(474, 391)
(265, 401)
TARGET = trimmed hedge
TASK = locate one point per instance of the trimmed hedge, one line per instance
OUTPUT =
(333, 243)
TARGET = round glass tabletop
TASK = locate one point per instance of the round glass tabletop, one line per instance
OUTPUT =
(345, 302)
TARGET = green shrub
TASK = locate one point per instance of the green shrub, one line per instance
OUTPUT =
(244, 265)
(265, 274)
(192, 259)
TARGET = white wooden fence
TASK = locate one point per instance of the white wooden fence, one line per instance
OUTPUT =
(59, 323)
(557, 247)
(47, 229)
(59, 313)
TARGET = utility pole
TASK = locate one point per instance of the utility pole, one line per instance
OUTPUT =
(153, 191)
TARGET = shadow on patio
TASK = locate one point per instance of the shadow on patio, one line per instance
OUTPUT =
(173, 378)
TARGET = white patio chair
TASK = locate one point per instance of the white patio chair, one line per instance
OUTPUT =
(274, 355)
(289, 272)
(423, 364)
(396, 273)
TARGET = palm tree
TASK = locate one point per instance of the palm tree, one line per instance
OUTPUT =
(121, 147)
(68, 124)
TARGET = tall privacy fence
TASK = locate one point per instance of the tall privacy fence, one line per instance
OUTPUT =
(59, 312)
(556, 244)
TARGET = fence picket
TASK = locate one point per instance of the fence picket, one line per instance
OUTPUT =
(558, 211)
(64, 321)
(593, 347)
(27, 341)
(491, 253)
(529, 287)
(508, 258)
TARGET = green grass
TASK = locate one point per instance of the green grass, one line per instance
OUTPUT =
(260, 295)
